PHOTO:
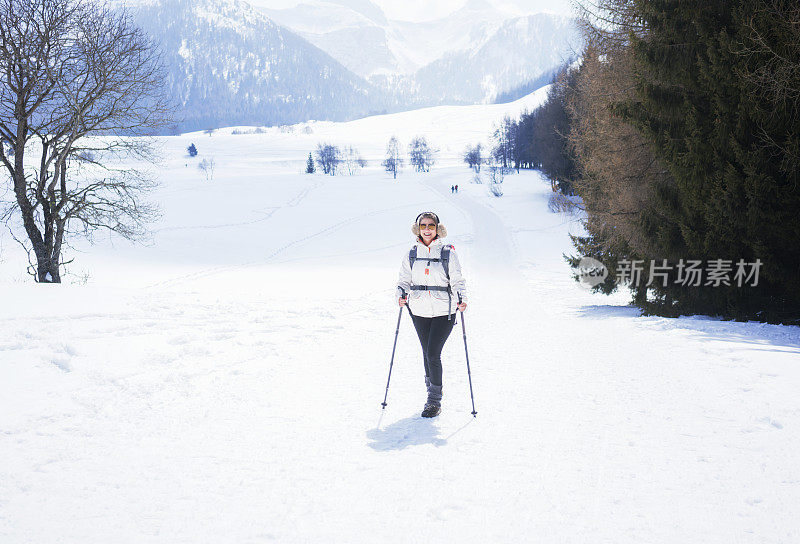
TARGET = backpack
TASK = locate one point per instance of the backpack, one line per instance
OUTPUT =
(445, 260)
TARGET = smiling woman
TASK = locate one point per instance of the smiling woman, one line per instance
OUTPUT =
(429, 271)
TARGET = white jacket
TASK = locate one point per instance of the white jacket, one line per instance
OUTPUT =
(431, 303)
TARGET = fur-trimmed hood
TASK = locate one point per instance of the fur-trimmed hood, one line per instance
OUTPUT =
(441, 231)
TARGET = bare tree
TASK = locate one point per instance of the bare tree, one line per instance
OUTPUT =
(473, 157)
(421, 155)
(497, 174)
(353, 161)
(207, 167)
(74, 75)
(393, 161)
(619, 171)
(771, 44)
(503, 136)
(328, 157)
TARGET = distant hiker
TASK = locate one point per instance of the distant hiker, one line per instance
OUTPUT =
(456, 188)
(434, 288)
(452, 189)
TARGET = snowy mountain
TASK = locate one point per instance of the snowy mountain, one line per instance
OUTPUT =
(357, 33)
(519, 50)
(230, 64)
(354, 33)
(472, 55)
(419, 44)
(364, 7)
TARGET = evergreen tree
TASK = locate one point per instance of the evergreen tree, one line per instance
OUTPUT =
(734, 197)
(711, 91)
(310, 168)
(192, 150)
(540, 138)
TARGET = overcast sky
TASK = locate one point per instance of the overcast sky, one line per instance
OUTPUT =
(413, 10)
(421, 10)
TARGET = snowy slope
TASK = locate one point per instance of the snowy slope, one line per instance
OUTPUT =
(222, 383)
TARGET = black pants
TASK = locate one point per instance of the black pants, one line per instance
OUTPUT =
(433, 333)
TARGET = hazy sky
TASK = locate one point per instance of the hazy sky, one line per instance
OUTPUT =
(432, 9)
(420, 10)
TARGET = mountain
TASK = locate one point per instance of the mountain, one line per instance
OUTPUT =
(357, 33)
(419, 44)
(229, 64)
(520, 50)
(365, 8)
(354, 32)
(475, 54)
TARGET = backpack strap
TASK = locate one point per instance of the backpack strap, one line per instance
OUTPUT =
(446, 265)
(446, 260)
(429, 288)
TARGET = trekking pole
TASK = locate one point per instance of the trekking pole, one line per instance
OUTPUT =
(391, 362)
(466, 352)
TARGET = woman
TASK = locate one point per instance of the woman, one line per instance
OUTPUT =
(430, 276)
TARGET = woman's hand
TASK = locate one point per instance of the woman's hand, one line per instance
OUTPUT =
(402, 301)
(462, 306)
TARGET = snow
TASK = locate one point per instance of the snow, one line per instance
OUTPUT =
(223, 381)
(449, 128)
(397, 46)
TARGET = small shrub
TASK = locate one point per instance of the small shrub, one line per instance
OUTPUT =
(207, 167)
(559, 203)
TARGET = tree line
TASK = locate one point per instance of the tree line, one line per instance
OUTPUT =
(680, 131)
(332, 159)
(538, 139)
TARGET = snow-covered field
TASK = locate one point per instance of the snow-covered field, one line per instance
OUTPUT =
(222, 383)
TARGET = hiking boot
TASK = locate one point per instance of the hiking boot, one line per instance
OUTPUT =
(431, 410)
(434, 404)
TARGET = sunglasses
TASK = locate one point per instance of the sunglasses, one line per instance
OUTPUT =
(427, 226)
